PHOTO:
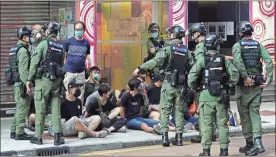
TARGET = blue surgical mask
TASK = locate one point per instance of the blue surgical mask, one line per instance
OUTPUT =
(31, 40)
(96, 76)
(154, 35)
(79, 33)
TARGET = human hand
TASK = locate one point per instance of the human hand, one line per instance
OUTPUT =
(264, 85)
(29, 88)
(135, 72)
(249, 82)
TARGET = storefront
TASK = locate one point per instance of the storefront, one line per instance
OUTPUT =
(119, 32)
(17, 14)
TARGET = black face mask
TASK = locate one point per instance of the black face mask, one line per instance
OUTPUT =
(77, 93)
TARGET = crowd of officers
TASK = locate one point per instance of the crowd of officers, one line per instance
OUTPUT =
(204, 72)
(210, 75)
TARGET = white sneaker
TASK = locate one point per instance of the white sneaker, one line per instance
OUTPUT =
(82, 135)
(123, 129)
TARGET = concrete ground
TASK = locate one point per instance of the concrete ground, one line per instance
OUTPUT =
(114, 141)
(188, 149)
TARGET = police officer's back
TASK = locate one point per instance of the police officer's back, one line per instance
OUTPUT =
(46, 73)
(247, 54)
(175, 61)
(216, 72)
(17, 75)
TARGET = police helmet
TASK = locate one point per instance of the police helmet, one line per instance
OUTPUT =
(245, 27)
(198, 27)
(177, 31)
(153, 27)
(211, 41)
(23, 31)
(52, 26)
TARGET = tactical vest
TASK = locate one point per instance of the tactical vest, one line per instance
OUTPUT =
(178, 64)
(157, 46)
(53, 61)
(214, 74)
(250, 51)
(12, 73)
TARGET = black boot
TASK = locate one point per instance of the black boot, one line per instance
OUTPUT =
(23, 136)
(36, 140)
(165, 139)
(206, 152)
(214, 138)
(58, 140)
(178, 140)
(248, 146)
(223, 152)
(196, 139)
(12, 136)
(257, 148)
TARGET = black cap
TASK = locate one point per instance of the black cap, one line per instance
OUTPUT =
(74, 83)
(157, 77)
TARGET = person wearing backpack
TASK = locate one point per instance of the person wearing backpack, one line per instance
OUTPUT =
(17, 75)
(214, 72)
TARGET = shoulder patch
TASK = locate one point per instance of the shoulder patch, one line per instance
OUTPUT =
(179, 48)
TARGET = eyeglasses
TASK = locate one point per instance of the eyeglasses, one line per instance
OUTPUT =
(78, 29)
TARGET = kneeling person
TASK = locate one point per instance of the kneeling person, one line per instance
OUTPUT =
(71, 109)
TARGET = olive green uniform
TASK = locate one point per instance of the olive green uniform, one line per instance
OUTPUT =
(46, 91)
(22, 103)
(209, 106)
(170, 96)
(249, 98)
(150, 45)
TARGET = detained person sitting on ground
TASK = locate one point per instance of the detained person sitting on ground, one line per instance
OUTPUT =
(114, 98)
(154, 92)
(132, 103)
(99, 104)
(92, 83)
(71, 110)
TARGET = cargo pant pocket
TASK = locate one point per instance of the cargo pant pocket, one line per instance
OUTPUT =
(38, 94)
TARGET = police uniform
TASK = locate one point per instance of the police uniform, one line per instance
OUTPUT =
(46, 72)
(247, 54)
(214, 71)
(175, 60)
(199, 52)
(153, 42)
(17, 75)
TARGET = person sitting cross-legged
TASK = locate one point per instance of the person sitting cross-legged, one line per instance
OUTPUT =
(71, 109)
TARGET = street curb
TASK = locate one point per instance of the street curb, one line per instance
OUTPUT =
(155, 140)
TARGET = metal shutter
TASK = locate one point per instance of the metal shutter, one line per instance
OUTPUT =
(13, 16)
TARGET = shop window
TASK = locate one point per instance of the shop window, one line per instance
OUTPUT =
(121, 37)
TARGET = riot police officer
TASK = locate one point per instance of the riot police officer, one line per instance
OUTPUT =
(198, 33)
(46, 72)
(153, 45)
(176, 61)
(214, 71)
(17, 75)
(247, 54)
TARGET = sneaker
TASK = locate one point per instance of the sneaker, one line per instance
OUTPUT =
(82, 135)
(101, 134)
(188, 126)
(157, 129)
(123, 129)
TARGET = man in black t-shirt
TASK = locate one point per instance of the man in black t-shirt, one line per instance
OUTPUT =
(100, 103)
(131, 108)
(71, 111)
(154, 92)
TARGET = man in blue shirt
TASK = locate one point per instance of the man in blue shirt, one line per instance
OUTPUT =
(77, 49)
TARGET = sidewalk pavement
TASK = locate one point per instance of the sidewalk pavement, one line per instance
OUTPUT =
(114, 141)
